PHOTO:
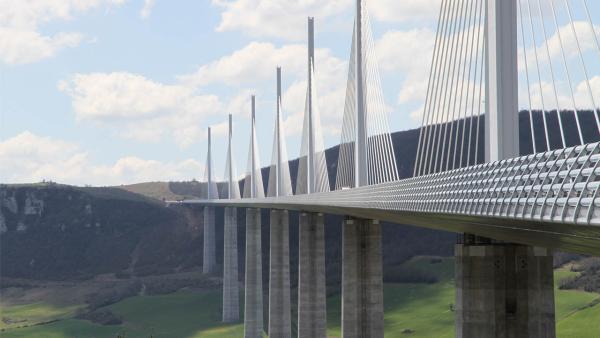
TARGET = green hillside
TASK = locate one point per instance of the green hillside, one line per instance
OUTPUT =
(411, 310)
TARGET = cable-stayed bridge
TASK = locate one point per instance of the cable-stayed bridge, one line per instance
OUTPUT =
(511, 210)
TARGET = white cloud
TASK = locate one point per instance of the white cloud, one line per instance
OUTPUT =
(147, 9)
(564, 38)
(282, 18)
(30, 14)
(28, 157)
(240, 103)
(582, 97)
(405, 10)
(407, 53)
(251, 64)
(220, 129)
(140, 108)
(582, 93)
(22, 42)
(22, 46)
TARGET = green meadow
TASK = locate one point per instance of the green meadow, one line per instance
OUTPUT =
(411, 310)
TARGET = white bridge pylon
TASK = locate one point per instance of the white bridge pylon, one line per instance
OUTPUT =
(209, 176)
(312, 166)
(280, 183)
(233, 187)
(366, 154)
(253, 184)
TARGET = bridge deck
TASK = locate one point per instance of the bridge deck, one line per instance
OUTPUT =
(548, 199)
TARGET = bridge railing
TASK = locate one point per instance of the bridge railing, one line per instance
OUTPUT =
(559, 186)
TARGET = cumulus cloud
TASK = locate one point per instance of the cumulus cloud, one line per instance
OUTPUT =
(140, 108)
(560, 40)
(22, 46)
(405, 10)
(28, 157)
(585, 95)
(254, 63)
(22, 42)
(407, 52)
(147, 9)
(281, 19)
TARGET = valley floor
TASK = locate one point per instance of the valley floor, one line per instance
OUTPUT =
(411, 310)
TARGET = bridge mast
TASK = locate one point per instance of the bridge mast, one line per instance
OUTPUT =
(278, 183)
(209, 166)
(230, 160)
(360, 155)
(253, 149)
(502, 129)
(310, 170)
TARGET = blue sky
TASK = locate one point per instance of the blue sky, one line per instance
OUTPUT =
(108, 92)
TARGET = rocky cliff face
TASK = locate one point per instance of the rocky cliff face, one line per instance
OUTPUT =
(57, 232)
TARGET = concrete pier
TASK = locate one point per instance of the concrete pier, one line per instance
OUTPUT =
(209, 260)
(253, 306)
(312, 311)
(503, 290)
(279, 276)
(231, 291)
(362, 279)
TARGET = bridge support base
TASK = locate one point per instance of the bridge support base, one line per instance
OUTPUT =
(503, 290)
(253, 306)
(209, 262)
(362, 279)
(312, 313)
(279, 276)
(231, 291)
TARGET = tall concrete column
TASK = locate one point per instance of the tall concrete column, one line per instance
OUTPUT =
(231, 290)
(209, 259)
(312, 311)
(253, 307)
(279, 276)
(362, 279)
(503, 290)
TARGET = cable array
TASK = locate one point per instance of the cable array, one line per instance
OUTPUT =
(555, 89)
(451, 129)
(551, 54)
(319, 168)
(280, 183)
(381, 165)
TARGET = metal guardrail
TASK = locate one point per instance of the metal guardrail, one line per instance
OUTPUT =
(555, 186)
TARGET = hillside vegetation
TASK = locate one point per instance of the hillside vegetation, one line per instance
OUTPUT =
(411, 310)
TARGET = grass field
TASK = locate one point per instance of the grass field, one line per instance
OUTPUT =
(40, 312)
(418, 310)
(183, 314)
